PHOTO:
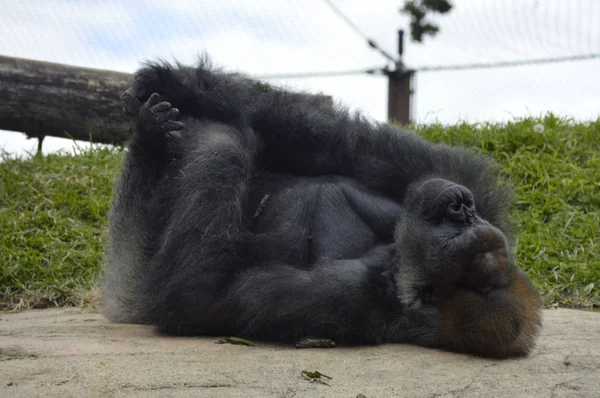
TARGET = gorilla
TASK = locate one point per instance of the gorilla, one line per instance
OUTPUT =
(253, 211)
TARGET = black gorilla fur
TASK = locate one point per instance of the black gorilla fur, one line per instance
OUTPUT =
(261, 213)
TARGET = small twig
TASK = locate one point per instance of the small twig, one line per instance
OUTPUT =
(262, 205)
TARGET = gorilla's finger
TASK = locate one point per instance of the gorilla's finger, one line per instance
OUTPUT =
(172, 125)
(153, 100)
(161, 107)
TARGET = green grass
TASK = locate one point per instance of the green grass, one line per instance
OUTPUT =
(53, 212)
(556, 213)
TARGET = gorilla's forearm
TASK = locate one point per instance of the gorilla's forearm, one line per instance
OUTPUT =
(337, 300)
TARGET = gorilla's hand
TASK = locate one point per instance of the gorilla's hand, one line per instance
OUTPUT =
(157, 117)
(147, 81)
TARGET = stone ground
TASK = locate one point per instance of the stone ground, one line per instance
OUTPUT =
(73, 353)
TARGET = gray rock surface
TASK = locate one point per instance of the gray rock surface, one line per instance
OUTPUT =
(73, 353)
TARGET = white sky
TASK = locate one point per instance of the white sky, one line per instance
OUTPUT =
(276, 36)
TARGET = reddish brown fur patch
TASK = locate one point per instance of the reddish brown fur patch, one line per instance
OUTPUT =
(502, 323)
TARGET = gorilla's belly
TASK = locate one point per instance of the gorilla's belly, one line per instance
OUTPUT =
(320, 219)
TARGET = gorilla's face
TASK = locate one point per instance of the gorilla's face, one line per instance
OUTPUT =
(446, 243)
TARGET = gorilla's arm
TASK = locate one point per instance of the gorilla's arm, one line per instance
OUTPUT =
(298, 136)
(344, 300)
(305, 136)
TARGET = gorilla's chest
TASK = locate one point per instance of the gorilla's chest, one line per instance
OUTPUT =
(318, 219)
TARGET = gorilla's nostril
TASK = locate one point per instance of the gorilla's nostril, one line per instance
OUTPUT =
(469, 214)
(453, 213)
(459, 212)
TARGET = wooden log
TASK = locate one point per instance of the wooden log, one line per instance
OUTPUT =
(46, 99)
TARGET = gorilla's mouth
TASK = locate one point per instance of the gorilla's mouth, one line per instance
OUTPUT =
(476, 239)
(486, 241)
(458, 229)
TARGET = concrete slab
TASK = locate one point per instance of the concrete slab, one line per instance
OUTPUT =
(73, 353)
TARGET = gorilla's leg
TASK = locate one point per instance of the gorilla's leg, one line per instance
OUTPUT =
(204, 230)
(457, 262)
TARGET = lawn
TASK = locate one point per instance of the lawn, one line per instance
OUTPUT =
(53, 211)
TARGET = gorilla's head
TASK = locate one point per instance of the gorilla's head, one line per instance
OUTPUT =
(456, 263)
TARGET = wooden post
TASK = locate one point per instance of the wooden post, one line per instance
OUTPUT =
(400, 96)
(400, 88)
